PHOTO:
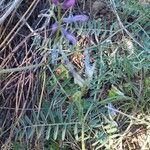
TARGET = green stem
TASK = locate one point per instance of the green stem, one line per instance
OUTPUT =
(82, 136)
(59, 23)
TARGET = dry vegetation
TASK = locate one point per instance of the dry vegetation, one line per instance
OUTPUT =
(42, 107)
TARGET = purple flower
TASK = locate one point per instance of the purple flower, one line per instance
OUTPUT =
(81, 18)
(55, 2)
(68, 36)
(68, 4)
(111, 110)
(54, 27)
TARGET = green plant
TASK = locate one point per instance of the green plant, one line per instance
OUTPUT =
(67, 106)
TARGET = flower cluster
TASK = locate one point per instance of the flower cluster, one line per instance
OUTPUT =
(67, 4)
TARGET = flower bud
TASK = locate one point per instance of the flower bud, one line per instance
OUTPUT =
(81, 18)
(54, 27)
(55, 2)
(68, 36)
(68, 4)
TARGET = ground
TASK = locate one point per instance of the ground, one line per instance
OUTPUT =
(61, 101)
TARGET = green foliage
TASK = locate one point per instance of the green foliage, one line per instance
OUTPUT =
(78, 115)
(17, 146)
(48, 124)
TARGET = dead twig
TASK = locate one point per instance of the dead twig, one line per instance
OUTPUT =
(10, 9)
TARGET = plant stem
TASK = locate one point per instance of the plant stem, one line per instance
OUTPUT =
(82, 136)
(59, 22)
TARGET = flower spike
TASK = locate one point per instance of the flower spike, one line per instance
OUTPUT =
(68, 4)
(81, 18)
(55, 2)
(54, 27)
(68, 36)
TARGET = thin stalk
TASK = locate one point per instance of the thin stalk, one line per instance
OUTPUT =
(42, 92)
(59, 23)
(82, 136)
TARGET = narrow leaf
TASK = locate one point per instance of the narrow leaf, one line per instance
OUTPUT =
(56, 132)
(48, 133)
(76, 132)
(64, 132)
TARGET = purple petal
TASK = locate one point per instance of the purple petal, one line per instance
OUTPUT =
(55, 2)
(111, 110)
(54, 27)
(68, 36)
(81, 18)
(68, 4)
